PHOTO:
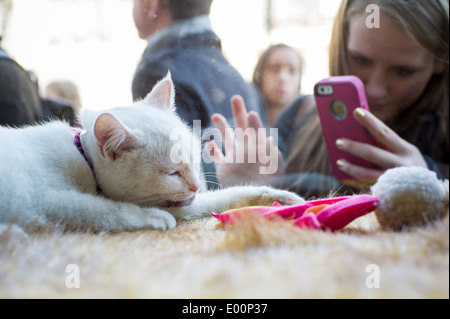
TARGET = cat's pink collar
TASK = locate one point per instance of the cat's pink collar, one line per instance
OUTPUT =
(77, 141)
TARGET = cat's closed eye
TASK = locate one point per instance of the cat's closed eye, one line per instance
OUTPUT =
(175, 173)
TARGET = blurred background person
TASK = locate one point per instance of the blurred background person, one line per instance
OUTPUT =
(64, 90)
(20, 103)
(180, 39)
(278, 75)
(19, 100)
(404, 67)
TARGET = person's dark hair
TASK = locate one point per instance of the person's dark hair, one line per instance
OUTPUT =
(183, 9)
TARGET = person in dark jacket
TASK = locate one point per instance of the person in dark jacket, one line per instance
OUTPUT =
(181, 40)
(20, 103)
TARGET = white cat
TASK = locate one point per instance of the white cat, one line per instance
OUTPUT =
(135, 182)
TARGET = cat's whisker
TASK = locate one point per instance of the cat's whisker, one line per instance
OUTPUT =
(210, 183)
(209, 174)
(214, 183)
(156, 199)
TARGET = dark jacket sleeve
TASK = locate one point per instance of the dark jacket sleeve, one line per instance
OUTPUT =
(19, 99)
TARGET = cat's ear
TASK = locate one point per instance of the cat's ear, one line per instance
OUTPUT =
(163, 93)
(112, 137)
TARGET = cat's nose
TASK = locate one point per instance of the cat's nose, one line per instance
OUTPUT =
(194, 187)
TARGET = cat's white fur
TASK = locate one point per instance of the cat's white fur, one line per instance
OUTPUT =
(45, 180)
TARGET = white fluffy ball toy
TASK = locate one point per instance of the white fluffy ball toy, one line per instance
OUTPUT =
(410, 196)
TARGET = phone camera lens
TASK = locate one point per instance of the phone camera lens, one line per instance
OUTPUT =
(338, 109)
(324, 90)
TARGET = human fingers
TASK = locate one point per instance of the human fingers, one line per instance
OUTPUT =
(359, 172)
(380, 157)
(239, 111)
(226, 132)
(219, 121)
(214, 152)
(254, 120)
(381, 132)
(276, 154)
(255, 123)
(399, 152)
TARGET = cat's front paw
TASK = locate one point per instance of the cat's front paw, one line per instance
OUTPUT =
(267, 195)
(158, 219)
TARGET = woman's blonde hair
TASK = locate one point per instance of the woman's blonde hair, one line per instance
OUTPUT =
(427, 23)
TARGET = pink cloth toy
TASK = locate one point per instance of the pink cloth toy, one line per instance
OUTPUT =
(401, 197)
(331, 213)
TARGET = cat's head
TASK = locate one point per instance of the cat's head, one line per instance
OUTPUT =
(144, 153)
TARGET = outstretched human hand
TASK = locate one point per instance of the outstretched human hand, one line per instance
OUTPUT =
(391, 150)
(250, 156)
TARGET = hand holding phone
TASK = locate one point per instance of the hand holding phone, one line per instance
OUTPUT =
(336, 99)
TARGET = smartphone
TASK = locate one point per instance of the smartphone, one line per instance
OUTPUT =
(336, 99)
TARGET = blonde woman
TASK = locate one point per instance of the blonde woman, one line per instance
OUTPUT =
(404, 66)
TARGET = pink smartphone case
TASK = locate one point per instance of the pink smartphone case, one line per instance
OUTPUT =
(350, 90)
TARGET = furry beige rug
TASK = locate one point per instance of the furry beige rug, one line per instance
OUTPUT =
(253, 259)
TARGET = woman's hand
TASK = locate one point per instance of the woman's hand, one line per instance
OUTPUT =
(250, 156)
(391, 150)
